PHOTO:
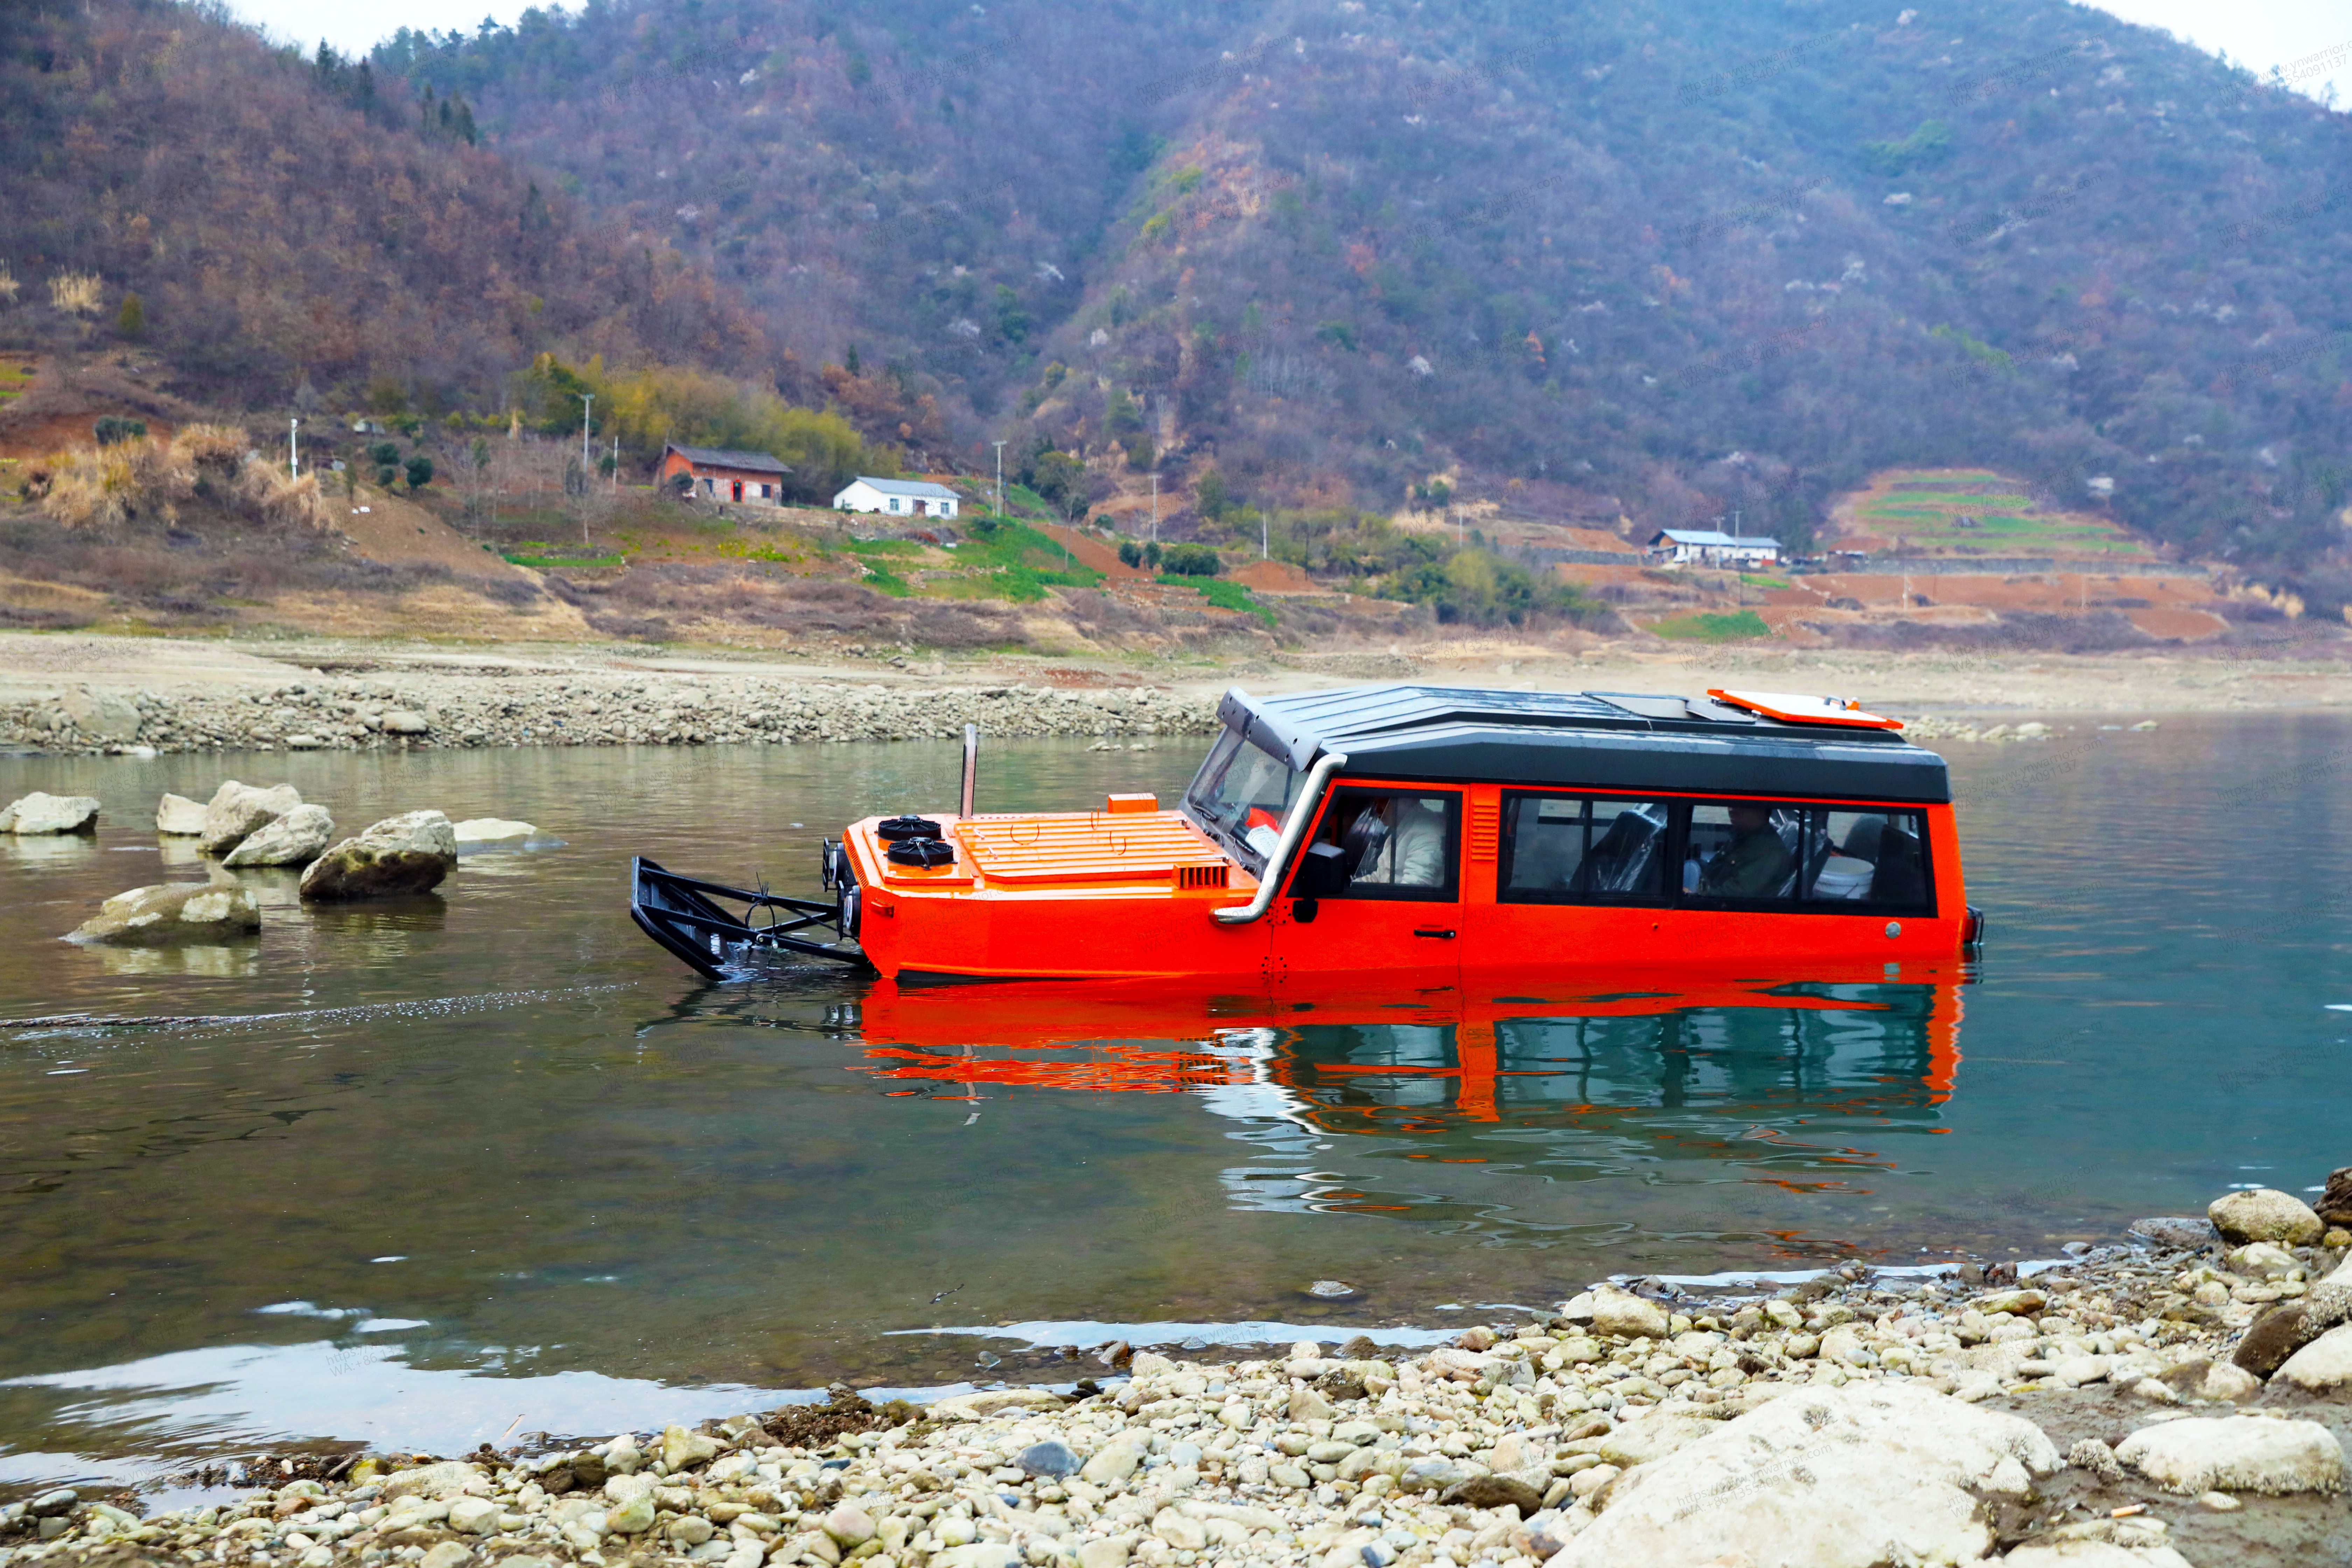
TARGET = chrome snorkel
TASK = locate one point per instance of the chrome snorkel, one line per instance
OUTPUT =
(1277, 863)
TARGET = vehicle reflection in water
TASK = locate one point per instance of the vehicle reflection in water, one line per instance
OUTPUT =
(1794, 1084)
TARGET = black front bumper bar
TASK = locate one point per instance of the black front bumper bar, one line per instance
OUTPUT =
(685, 915)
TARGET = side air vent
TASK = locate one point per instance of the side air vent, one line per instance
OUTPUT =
(1484, 830)
(1191, 879)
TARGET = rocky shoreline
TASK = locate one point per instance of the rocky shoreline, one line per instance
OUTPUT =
(602, 709)
(1857, 1419)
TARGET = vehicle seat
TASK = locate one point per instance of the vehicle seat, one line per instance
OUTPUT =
(1862, 839)
(1901, 877)
(1621, 861)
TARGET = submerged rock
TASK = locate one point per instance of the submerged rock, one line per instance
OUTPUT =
(37, 814)
(237, 811)
(170, 913)
(477, 830)
(399, 855)
(294, 839)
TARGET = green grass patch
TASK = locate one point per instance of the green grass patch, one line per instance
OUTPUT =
(1754, 581)
(885, 547)
(1707, 625)
(1224, 595)
(568, 562)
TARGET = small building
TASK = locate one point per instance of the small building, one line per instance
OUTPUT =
(897, 498)
(750, 479)
(1710, 547)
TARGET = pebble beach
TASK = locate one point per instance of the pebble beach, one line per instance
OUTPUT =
(2176, 1398)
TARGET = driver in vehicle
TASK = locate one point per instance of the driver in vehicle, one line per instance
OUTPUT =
(1754, 864)
(1413, 852)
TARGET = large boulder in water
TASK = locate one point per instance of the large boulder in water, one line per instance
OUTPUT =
(294, 839)
(178, 816)
(240, 810)
(39, 814)
(400, 855)
(172, 912)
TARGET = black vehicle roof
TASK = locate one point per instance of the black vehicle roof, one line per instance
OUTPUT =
(1601, 740)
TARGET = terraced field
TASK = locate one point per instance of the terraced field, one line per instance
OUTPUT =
(1970, 511)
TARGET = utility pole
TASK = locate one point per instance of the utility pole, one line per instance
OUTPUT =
(616, 465)
(1265, 535)
(1000, 477)
(587, 402)
(1155, 509)
(294, 448)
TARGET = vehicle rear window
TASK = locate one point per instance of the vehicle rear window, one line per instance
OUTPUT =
(1819, 859)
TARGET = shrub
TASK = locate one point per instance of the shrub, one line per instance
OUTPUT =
(131, 320)
(384, 454)
(7, 285)
(420, 472)
(1140, 454)
(112, 430)
(77, 293)
(1151, 555)
(1130, 553)
(214, 451)
(120, 480)
(269, 494)
(1189, 561)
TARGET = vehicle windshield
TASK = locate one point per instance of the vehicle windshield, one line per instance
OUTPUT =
(1242, 793)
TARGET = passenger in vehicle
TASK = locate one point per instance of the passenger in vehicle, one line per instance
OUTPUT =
(1754, 863)
(1405, 844)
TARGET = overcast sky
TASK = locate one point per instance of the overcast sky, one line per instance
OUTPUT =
(2256, 33)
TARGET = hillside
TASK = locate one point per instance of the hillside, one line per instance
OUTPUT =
(298, 234)
(1666, 259)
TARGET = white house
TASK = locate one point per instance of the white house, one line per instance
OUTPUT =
(1707, 547)
(898, 498)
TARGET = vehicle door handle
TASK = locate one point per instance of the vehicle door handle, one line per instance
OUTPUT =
(1437, 932)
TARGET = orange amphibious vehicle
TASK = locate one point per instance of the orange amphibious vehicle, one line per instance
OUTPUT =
(1419, 835)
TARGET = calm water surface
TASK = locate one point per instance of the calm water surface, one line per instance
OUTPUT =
(491, 1162)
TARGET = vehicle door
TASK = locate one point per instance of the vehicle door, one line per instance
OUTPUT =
(1383, 869)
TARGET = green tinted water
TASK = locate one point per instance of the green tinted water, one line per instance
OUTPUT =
(491, 1162)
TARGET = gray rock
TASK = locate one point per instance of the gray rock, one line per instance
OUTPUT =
(101, 715)
(1048, 1458)
(1493, 1491)
(2183, 1232)
(428, 1480)
(1616, 1312)
(1430, 1474)
(2275, 1336)
(179, 816)
(1829, 1477)
(2236, 1453)
(38, 814)
(394, 858)
(2323, 1367)
(2264, 1214)
(294, 839)
(2097, 1458)
(237, 811)
(447, 1554)
(405, 721)
(50, 1504)
(172, 912)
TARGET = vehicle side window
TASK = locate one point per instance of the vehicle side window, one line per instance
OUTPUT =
(1877, 859)
(1395, 844)
(1742, 849)
(1573, 849)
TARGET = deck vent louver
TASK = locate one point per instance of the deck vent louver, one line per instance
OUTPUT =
(1191, 879)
